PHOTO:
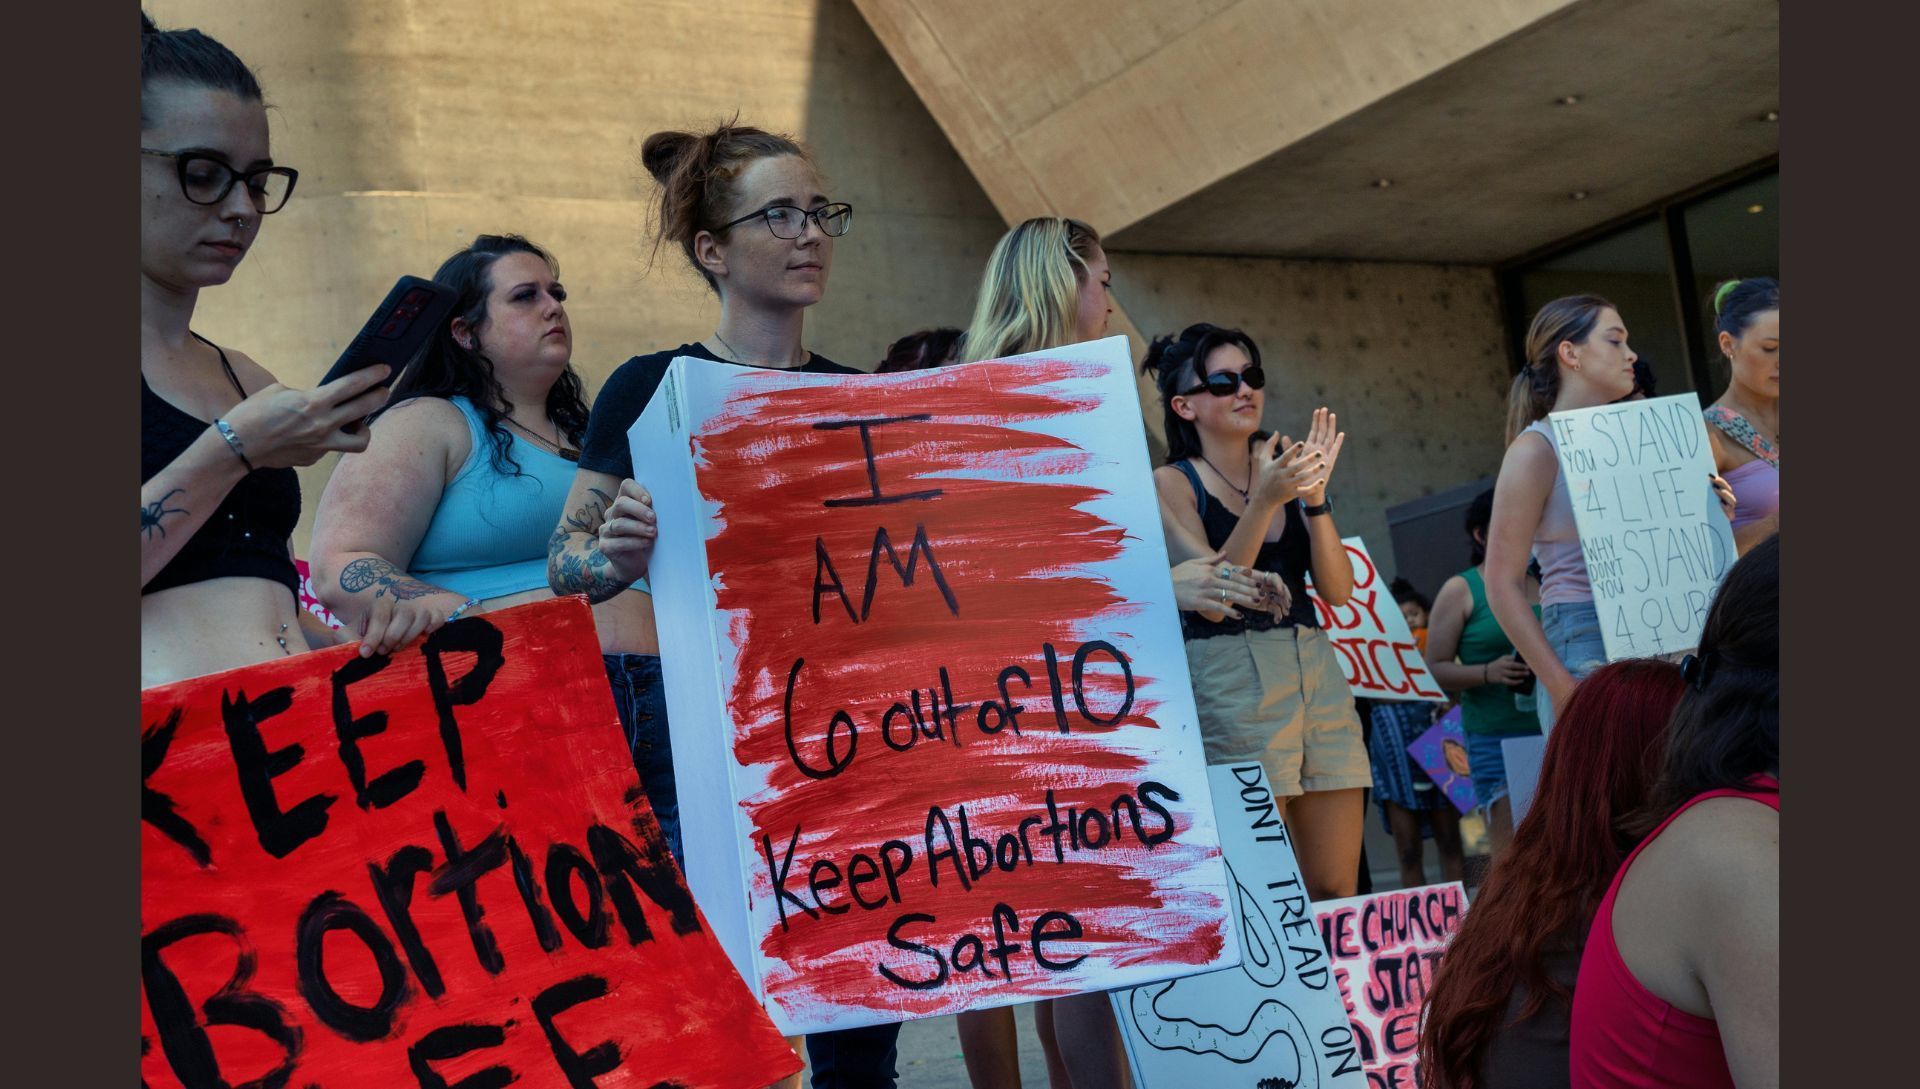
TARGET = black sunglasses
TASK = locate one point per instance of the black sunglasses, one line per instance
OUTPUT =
(1227, 383)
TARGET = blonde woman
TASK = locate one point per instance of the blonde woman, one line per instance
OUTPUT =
(1045, 286)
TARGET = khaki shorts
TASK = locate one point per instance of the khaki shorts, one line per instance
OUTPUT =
(1278, 696)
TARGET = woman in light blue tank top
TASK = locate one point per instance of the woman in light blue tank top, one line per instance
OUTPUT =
(450, 507)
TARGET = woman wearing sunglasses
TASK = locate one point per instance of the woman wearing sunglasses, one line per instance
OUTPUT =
(1267, 684)
(747, 208)
(219, 437)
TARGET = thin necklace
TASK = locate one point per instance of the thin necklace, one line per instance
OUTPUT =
(567, 452)
(736, 355)
(1244, 492)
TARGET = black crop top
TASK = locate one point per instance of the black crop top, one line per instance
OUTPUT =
(248, 532)
(1289, 557)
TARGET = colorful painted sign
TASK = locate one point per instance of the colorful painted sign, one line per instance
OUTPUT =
(1277, 1019)
(1442, 752)
(934, 738)
(1377, 651)
(1655, 539)
(1385, 948)
(311, 601)
(435, 868)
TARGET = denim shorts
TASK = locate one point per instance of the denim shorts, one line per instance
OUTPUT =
(1488, 765)
(642, 703)
(1573, 631)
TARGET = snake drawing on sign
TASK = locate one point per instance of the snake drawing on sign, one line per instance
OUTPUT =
(1272, 1028)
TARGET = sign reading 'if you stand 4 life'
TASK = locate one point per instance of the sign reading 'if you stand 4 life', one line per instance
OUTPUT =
(934, 738)
(1655, 539)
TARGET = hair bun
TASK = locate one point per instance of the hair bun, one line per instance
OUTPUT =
(1720, 294)
(663, 152)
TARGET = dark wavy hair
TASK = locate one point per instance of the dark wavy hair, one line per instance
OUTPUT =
(1600, 764)
(445, 369)
(191, 58)
(1178, 363)
(1727, 727)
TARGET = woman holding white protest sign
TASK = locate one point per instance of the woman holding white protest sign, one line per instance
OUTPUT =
(1045, 286)
(748, 209)
(1577, 357)
(1268, 686)
(1744, 422)
(448, 511)
(219, 436)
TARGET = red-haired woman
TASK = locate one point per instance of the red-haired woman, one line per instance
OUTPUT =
(1498, 1011)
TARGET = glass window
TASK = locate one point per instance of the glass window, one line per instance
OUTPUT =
(1732, 234)
(1630, 268)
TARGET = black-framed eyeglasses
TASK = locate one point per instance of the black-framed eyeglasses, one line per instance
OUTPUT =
(206, 180)
(1227, 383)
(789, 222)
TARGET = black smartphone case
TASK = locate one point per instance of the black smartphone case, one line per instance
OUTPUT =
(398, 329)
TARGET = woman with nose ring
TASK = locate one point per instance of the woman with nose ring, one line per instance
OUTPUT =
(219, 437)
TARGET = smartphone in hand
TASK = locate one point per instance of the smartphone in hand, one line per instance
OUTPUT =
(398, 330)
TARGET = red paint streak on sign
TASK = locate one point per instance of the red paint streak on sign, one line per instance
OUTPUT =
(298, 818)
(1013, 544)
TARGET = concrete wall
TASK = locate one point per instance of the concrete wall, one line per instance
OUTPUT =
(416, 124)
(1409, 357)
(419, 123)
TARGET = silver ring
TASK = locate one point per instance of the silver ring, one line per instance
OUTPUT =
(1223, 596)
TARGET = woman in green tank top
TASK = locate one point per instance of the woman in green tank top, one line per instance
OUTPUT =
(1470, 655)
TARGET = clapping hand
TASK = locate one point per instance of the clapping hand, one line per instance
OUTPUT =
(1322, 450)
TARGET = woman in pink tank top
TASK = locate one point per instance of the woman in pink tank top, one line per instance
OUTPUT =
(1679, 984)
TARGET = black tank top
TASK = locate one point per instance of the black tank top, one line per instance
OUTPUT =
(1287, 557)
(248, 532)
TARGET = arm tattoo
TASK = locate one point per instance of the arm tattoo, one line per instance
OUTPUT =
(585, 570)
(152, 513)
(364, 574)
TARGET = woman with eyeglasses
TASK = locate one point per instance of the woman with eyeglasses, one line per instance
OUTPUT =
(449, 509)
(1267, 685)
(219, 437)
(750, 212)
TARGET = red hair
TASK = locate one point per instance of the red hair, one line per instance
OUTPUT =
(1600, 764)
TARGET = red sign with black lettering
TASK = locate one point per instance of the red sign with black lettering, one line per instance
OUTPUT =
(435, 869)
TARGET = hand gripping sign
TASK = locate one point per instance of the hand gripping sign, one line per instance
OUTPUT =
(435, 869)
(932, 728)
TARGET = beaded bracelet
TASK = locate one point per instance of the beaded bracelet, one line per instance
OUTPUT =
(233, 442)
(464, 606)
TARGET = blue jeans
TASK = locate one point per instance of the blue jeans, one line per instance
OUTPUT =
(1573, 631)
(642, 704)
(861, 1058)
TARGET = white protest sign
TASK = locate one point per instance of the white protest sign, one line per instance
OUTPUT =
(933, 734)
(1277, 1019)
(1369, 632)
(1655, 539)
